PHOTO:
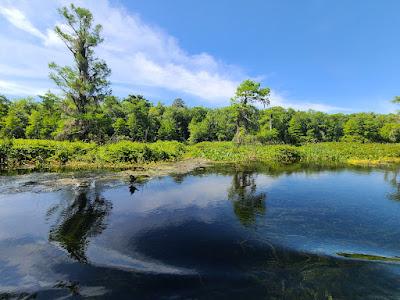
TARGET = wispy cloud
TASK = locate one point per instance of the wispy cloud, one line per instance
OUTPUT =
(14, 88)
(278, 99)
(19, 20)
(138, 54)
(141, 56)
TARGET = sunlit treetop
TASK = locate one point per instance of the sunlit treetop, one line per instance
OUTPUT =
(250, 91)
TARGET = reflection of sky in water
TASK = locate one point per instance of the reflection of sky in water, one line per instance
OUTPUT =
(209, 224)
(167, 195)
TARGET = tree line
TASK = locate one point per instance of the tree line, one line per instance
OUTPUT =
(138, 119)
(86, 109)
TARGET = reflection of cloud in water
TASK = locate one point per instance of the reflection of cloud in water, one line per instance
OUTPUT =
(196, 191)
(29, 207)
(264, 181)
(109, 258)
(33, 261)
(166, 234)
(30, 265)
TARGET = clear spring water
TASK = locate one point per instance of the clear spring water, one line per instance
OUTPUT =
(211, 234)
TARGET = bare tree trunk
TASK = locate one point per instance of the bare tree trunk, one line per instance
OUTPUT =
(270, 122)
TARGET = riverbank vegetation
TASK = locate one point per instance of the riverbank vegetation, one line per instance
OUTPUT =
(23, 153)
(135, 118)
(86, 124)
(86, 110)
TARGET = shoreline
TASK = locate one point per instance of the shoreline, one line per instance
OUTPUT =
(22, 156)
(84, 176)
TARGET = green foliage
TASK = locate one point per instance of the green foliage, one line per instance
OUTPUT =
(275, 119)
(390, 132)
(171, 150)
(120, 127)
(231, 152)
(24, 151)
(5, 151)
(87, 112)
(218, 124)
(287, 155)
(85, 84)
(366, 126)
(137, 119)
(134, 152)
(21, 152)
(200, 131)
(321, 153)
(298, 128)
(342, 152)
(174, 124)
(124, 151)
(4, 106)
(35, 125)
(247, 93)
(250, 91)
(268, 136)
(353, 139)
(13, 125)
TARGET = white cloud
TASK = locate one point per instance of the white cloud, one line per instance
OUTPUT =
(18, 19)
(13, 88)
(278, 99)
(138, 54)
(141, 56)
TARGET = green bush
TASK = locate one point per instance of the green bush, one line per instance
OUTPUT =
(166, 150)
(287, 155)
(268, 136)
(40, 152)
(32, 151)
(341, 152)
(333, 152)
(5, 151)
(391, 132)
(231, 152)
(134, 152)
(354, 139)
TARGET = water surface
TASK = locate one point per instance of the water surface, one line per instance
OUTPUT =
(215, 233)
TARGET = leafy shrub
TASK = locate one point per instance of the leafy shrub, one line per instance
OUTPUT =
(5, 151)
(287, 155)
(24, 151)
(166, 150)
(31, 151)
(268, 136)
(123, 151)
(354, 139)
(39, 152)
(231, 152)
(134, 152)
(341, 152)
(390, 132)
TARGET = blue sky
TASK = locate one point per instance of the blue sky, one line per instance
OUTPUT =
(331, 55)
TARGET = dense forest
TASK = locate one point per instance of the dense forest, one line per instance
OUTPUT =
(86, 110)
(138, 119)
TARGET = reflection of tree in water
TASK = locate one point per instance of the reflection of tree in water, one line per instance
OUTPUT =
(391, 177)
(247, 203)
(80, 219)
(178, 178)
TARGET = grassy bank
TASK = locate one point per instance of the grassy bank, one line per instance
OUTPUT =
(20, 153)
(324, 153)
